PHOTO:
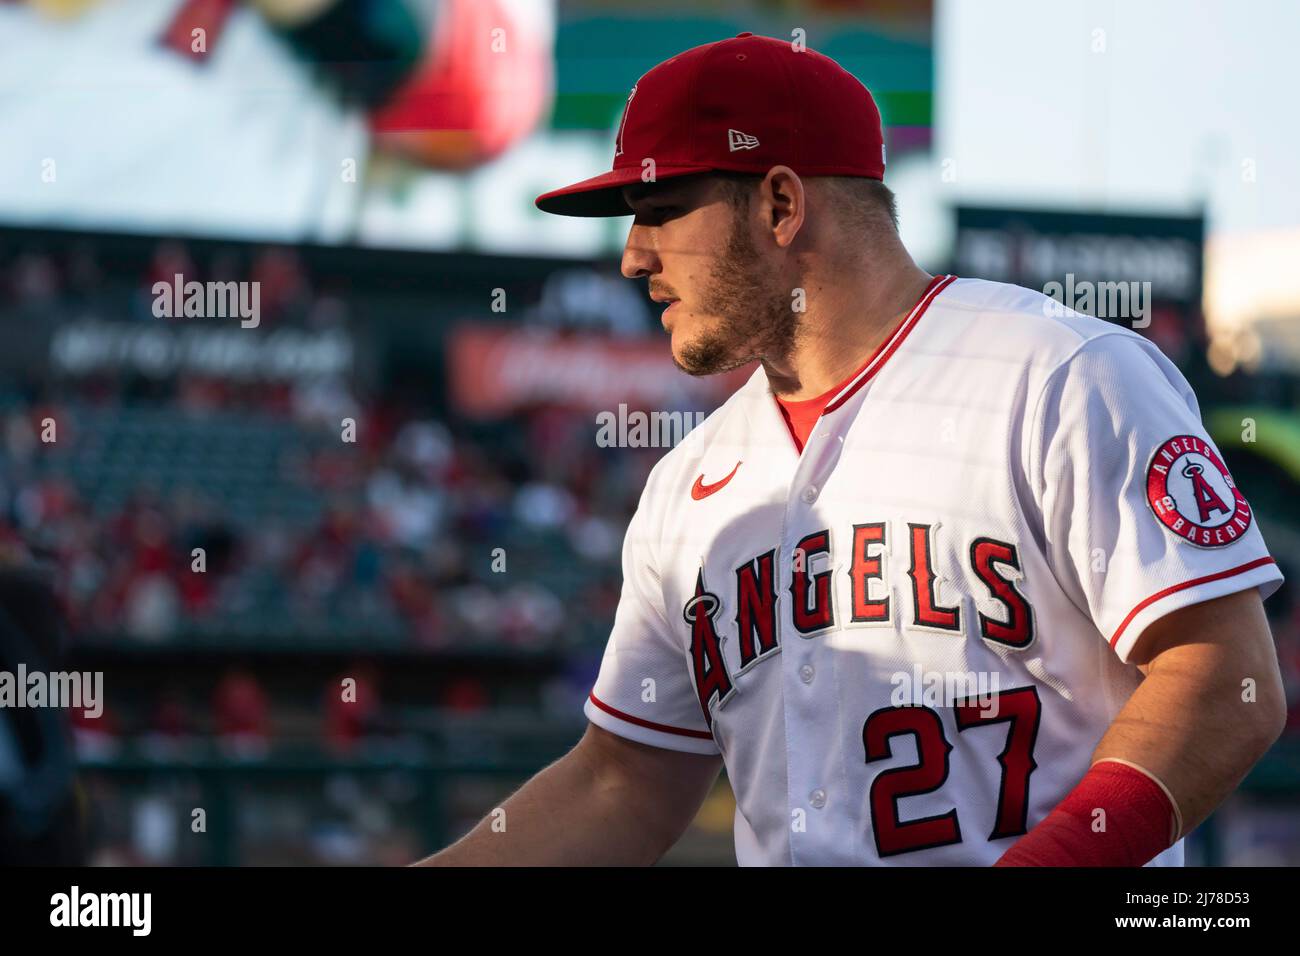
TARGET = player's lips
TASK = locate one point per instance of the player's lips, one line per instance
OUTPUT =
(672, 304)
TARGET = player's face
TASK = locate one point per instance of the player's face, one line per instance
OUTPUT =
(701, 253)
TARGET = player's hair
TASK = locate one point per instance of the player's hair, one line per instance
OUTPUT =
(865, 204)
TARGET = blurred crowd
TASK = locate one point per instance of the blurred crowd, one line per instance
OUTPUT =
(193, 506)
(409, 532)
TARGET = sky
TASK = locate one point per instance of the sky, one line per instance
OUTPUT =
(1151, 105)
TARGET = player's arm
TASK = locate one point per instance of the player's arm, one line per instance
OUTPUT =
(609, 802)
(1210, 706)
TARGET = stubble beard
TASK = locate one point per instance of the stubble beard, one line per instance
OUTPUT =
(755, 318)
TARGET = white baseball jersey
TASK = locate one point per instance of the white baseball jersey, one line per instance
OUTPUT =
(907, 640)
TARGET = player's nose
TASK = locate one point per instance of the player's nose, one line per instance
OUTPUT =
(639, 256)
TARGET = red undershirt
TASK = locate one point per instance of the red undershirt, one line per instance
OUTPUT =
(801, 416)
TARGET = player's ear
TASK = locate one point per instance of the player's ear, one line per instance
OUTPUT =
(782, 197)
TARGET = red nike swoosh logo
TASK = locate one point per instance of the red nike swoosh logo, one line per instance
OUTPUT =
(701, 490)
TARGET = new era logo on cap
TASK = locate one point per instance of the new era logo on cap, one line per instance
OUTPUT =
(738, 140)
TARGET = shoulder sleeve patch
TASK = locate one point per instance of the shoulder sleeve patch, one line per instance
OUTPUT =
(1192, 494)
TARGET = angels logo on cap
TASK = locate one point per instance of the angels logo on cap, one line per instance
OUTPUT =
(618, 142)
(1192, 494)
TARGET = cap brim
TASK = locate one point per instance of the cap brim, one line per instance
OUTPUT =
(603, 195)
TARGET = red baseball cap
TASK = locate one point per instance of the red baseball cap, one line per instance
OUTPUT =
(744, 104)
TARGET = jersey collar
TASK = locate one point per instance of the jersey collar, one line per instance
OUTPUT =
(891, 344)
(763, 412)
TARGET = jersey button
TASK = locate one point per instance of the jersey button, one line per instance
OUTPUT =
(809, 494)
(817, 798)
(806, 673)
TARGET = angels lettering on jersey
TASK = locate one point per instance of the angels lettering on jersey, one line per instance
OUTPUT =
(873, 599)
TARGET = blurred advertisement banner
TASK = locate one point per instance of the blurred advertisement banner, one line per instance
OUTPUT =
(417, 124)
(493, 372)
(1036, 247)
(159, 351)
(255, 118)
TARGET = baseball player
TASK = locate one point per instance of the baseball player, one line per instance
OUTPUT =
(954, 579)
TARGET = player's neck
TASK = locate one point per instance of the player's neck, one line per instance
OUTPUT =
(845, 323)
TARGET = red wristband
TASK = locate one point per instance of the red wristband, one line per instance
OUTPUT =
(1136, 821)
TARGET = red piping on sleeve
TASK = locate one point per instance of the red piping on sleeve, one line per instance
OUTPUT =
(1249, 566)
(650, 724)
